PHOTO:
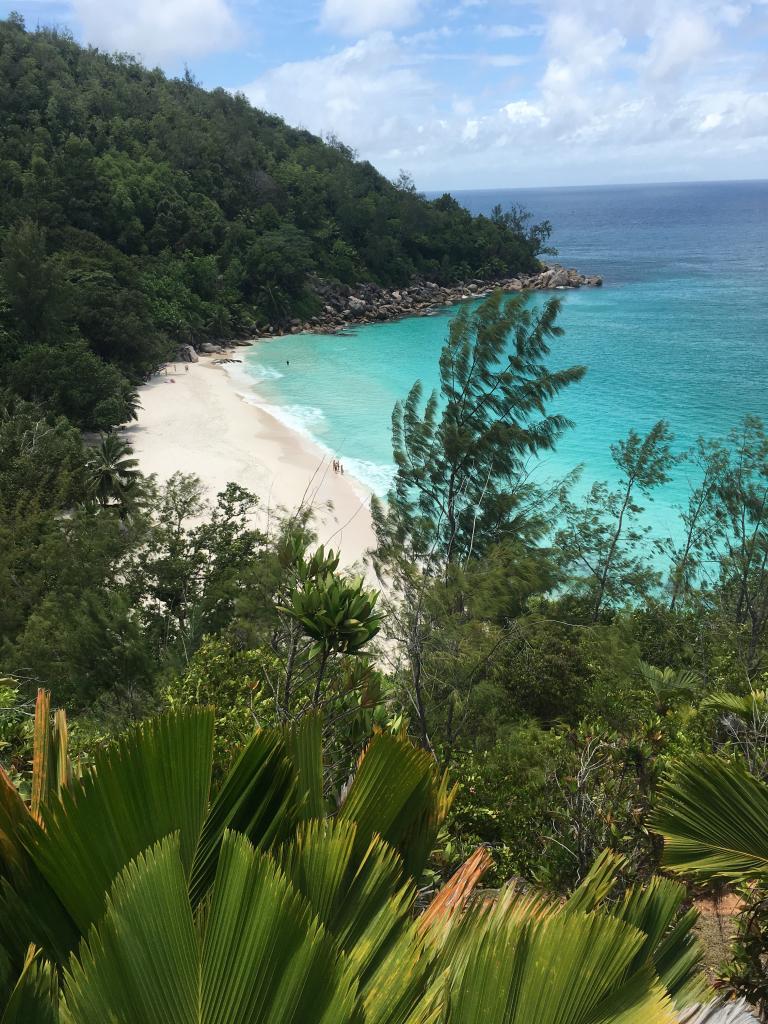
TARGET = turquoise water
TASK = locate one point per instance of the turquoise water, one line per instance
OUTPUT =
(680, 330)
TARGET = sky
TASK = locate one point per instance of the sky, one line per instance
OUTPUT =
(475, 93)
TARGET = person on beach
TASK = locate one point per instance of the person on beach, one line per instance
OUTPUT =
(186, 369)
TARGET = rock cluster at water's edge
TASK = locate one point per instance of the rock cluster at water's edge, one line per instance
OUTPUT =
(344, 306)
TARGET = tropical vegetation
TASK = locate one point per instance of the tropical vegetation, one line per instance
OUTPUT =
(137, 212)
(454, 787)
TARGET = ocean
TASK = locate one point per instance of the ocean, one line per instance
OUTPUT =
(679, 331)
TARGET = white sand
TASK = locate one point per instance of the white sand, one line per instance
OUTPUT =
(201, 425)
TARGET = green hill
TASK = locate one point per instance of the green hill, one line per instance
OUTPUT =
(137, 210)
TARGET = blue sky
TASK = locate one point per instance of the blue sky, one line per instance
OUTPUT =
(476, 93)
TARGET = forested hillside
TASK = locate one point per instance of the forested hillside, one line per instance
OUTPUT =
(137, 210)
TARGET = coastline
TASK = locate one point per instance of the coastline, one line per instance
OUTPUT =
(197, 420)
(200, 419)
(342, 307)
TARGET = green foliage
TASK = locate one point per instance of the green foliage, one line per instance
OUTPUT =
(260, 910)
(137, 211)
(744, 972)
(154, 783)
(600, 540)
(71, 381)
(231, 680)
(506, 800)
(113, 476)
(32, 283)
(713, 815)
(337, 615)
(460, 483)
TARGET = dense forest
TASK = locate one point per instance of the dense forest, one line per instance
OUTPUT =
(241, 784)
(137, 210)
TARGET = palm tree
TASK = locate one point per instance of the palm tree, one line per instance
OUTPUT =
(113, 475)
(668, 685)
(132, 894)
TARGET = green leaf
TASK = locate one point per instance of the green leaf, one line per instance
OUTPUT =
(361, 901)
(151, 782)
(397, 793)
(261, 959)
(305, 746)
(30, 910)
(670, 944)
(140, 964)
(259, 798)
(528, 963)
(35, 997)
(265, 959)
(714, 818)
(598, 882)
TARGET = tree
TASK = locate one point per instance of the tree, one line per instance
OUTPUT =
(461, 464)
(113, 475)
(69, 380)
(738, 533)
(598, 540)
(517, 220)
(33, 284)
(697, 521)
(42, 458)
(461, 493)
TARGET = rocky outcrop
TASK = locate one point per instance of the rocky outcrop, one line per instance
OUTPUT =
(186, 354)
(560, 277)
(343, 306)
(368, 303)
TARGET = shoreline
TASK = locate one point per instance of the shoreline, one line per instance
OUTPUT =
(197, 420)
(206, 420)
(345, 307)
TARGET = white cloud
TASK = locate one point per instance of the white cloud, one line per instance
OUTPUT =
(470, 131)
(510, 31)
(157, 29)
(370, 94)
(679, 43)
(360, 17)
(616, 91)
(523, 112)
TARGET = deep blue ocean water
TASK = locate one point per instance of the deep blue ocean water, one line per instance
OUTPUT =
(680, 331)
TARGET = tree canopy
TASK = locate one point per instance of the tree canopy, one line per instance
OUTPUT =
(137, 211)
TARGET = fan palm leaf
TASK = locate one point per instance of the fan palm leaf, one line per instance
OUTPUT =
(522, 961)
(261, 957)
(714, 818)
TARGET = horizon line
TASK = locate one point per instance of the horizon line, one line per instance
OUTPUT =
(606, 184)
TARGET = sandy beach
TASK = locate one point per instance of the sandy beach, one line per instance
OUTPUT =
(197, 421)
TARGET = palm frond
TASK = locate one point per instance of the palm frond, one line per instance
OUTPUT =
(150, 783)
(258, 798)
(714, 818)
(398, 793)
(35, 996)
(262, 958)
